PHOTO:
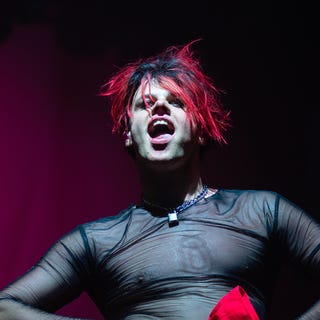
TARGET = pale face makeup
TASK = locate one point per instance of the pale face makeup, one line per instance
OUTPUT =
(160, 128)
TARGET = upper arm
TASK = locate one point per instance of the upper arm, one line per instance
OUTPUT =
(59, 277)
(299, 232)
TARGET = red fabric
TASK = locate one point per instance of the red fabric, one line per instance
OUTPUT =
(234, 306)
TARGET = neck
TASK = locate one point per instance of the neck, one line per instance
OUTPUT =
(170, 187)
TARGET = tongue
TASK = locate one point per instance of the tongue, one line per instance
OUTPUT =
(161, 138)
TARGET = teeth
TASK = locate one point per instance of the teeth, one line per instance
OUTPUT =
(160, 126)
(160, 122)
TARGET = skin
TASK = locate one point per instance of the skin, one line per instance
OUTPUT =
(168, 164)
(162, 105)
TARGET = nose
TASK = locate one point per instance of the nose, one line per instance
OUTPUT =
(160, 108)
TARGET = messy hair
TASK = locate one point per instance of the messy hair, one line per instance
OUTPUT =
(177, 70)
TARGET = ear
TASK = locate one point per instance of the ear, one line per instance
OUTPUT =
(128, 139)
(202, 141)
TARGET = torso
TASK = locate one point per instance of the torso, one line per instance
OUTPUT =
(176, 272)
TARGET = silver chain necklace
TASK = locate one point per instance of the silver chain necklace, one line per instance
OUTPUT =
(173, 213)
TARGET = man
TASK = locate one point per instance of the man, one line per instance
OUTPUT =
(186, 251)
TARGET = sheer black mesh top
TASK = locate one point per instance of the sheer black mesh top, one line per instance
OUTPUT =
(134, 266)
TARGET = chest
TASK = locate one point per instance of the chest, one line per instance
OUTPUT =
(187, 250)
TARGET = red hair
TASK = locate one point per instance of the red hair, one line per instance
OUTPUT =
(177, 70)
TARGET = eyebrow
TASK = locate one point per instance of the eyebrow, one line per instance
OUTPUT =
(146, 96)
(152, 96)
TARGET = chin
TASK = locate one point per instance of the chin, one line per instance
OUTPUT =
(165, 161)
(165, 155)
(160, 154)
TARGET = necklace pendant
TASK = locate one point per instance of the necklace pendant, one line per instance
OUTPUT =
(173, 219)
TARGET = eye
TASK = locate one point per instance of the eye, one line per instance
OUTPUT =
(144, 104)
(177, 103)
(140, 105)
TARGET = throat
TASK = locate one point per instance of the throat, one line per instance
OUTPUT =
(173, 212)
(157, 209)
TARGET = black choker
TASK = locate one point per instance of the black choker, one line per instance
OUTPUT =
(173, 213)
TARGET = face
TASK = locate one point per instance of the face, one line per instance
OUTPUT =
(161, 130)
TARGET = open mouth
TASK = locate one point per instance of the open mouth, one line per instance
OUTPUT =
(160, 130)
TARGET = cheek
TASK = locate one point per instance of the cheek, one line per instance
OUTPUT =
(137, 131)
(189, 126)
(185, 117)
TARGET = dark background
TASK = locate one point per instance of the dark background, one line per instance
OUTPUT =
(61, 166)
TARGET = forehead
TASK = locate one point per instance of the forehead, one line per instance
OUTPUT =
(152, 88)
